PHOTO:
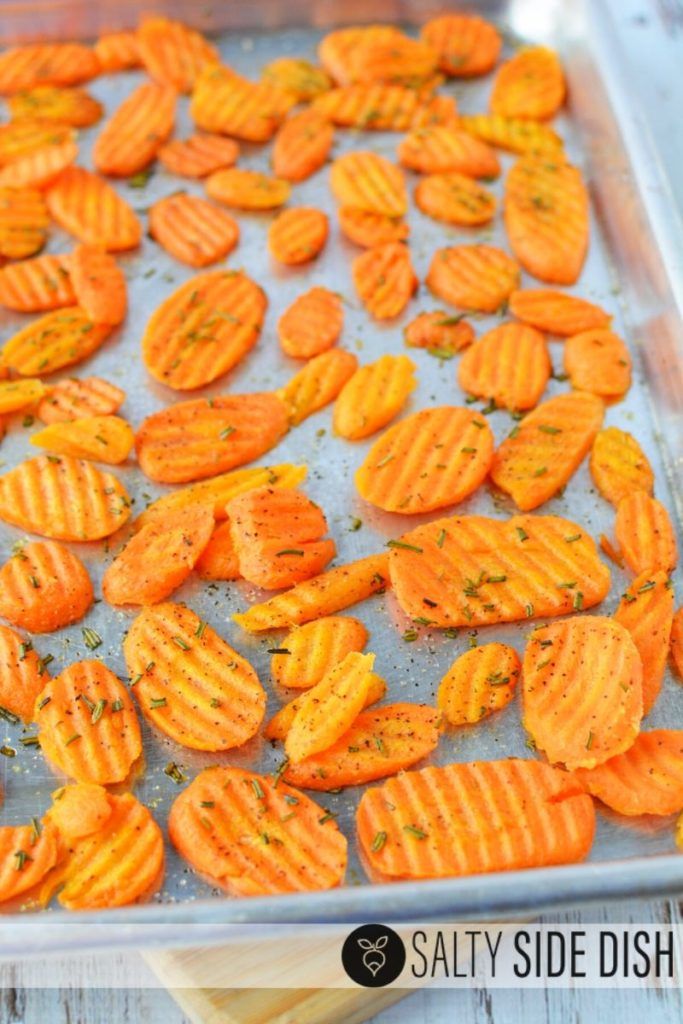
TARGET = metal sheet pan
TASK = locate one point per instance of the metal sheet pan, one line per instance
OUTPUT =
(633, 269)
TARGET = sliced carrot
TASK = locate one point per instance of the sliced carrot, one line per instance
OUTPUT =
(479, 682)
(192, 229)
(646, 779)
(439, 333)
(646, 610)
(27, 853)
(22, 675)
(546, 217)
(136, 131)
(279, 725)
(644, 533)
(619, 466)
(557, 312)
(311, 325)
(336, 49)
(308, 652)
(253, 837)
(442, 148)
(278, 537)
(530, 85)
(173, 53)
(317, 384)
(117, 51)
(371, 229)
(44, 587)
(71, 399)
(372, 107)
(25, 67)
(477, 277)
(189, 682)
(385, 279)
(53, 341)
(544, 451)
(79, 810)
(509, 365)
(435, 457)
(298, 235)
(39, 169)
(224, 102)
(36, 285)
(399, 59)
(247, 190)
(302, 145)
(514, 134)
(373, 397)
(89, 208)
(300, 77)
(474, 571)
(198, 155)
(203, 329)
(598, 361)
(88, 727)
(466, 819)
(19, 394)
(370, 182)
(63, 498)
(23, 138)
(218, 560)
(23, 222)
(455, 199)
(331, 592)
(466, 44)
(64, 106)
(99, 284)
(677, 643)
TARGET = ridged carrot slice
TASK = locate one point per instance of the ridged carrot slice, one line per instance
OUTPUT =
(89, 208)
(23, 222)
(298, 235)
(646, 610)
(218, 560)
(439, 333)
(336, 48)
(247, 190)
(435, 457)
(22, 674)
(371, 229)
(598, 361)
(278, 536)
(646, 779)
(514, 134)
(302, 145)
(117, 51)
(644, 534)
(300, 77)
(400, 59)
(159, 558)
(63, 498)
(203, 329)
(193, 440)
(71, 399)
(370, 182)
(311, 325)
(19, 394)
(509, 365)
(25, 67)
(36, 285)
(99, 284)
(373, 107)
(88, 728)
(465, 819)
(136, 131)
(64, 106)
(455, 199)
(189, 682)
(479, 682)
(198, 155)
(373, 396)
(557, 312)
(192, 229)
(308, 652)
(677, 643)
(546, 217)
(331, 592)
(466, 44)
(22, 138)
(385, 279)
(442, 148)
(255, 838)
(530, 85)
(477, 277)
(470, 570)
(53, 341)
(44, 587)
(619, 466)
(27, 854)
(544, 451)
(317, 383)
(39, 169)
(224, 102)
(279, 725)
(173, 53)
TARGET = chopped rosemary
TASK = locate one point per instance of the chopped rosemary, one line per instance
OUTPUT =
(404, 546)
(378, 842)
(179, 642)
(91, 638)
(415, 831)
(175, 773)
(158, 702)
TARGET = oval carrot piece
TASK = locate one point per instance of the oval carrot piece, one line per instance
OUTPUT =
(331, 592)
(247, 190)
(189, 682)
(117, 51)
(378, 106)
(466, 819)
(72, 399)
(646, 610)
(514, 134)
(400, 59)
(474, 571)
(198, 155)
(159, 558)
(25, 137)
(173, 53)
(311, 325)
(438, 332)
(308, 652)
(40, 168)
(23, 222)
(455, 199)
(279, 725)
(27, 854)
(19, 394)
(317, 383)
(302, 145)
(89, 208)
(218, 560)
(370, 182)
(37, 285)
(64, 106)
(298, 235)
(192, 440)
(63, 498)
(106, 439)
(224, 102)
(644, 534)
(336, 48)
(646, 779)
(477, 277)
(203, 329)
(371, 229)
(25, 67)
(442, 148)
(556, 312)
(99, 284)
(373, 397)
(53, 341)
(88, 727)
(509, 365)
(546, 448)
(136, 131)
(297, 847)
(529, 85)
(385, 279)
(79, 810)
(600, 362)
(22, 675)
(44, 587)
(619, 466)
(300, 77)
(478, 683)
(193, 230)
(466, 44)
(435, 457)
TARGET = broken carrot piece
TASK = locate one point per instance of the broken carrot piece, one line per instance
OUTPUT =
(44, 587)
(79, 810)
(53, 341)
(441, 334)
(644, 534)
(28, 66)
(619, 466)
(106, 439)
(224, 102)
(546, 448)
(247, 190)
(308, 652)
(71, 399)
(435, 457)
(479, 682)
(436, 110)
(39, 169)
(509, 365)
(556, 312)
(443, 148)
(189, 682)
(455, 199)
(281, 722)
(23, 222)
(302, 145)
(298, 235)
(311, 325)
(36, 285)
(317, 383)
(476, 277)
(304, 849)
(371, 229)
(529, 85)
(89, 208)
(646, 610)
(385, 279)
(376, 106)
(467, 45)
(514, 134)
(645, 779)
(193, 230)
(19, 394)
(300, 77)
(99, 284)
(369, 182)
(136, 131)
(598, 361)
(117, 51)
(173, 53)
(63, 106)
(218, 560)
(466, 819)
(27, 854)
(198, 155)
(23, 138)
(22, 675)
(373, 397)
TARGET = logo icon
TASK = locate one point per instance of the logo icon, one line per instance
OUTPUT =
(373, 955)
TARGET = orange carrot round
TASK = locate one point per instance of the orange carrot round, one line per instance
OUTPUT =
(477, 277)
(44, 587)
(298, 235)
(192, 229)
(478, 683)
(600, 362)
(312, 324)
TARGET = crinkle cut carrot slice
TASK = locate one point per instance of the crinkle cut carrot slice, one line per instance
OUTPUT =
(371, 229)
(298, 235)
(27, 853)
(23, 674)
(203, 329)
(509, 365)
(218, 560)
(646, 779)
(44, 587)
(224, 102)
(370, 182)
(479, 682)
(435, 457)
(373, 396)
(63, 498)
(466, 819)
(118, 51)
(556, 312)
(308, 652)
(644, 534)
(546, 217)
(385, 279)
(198, 155)
(247, 190)
(64, 106)
(544, 451)
(193, 230)
(89, 208)
(279, 725)
(300, 77)
(619, 466)
(600, 362)
(317, 383)
(57, 339)
(311, 325)
(25, 67)
(88, 727)
(512, 133)
(646, 610)
(455, 199)
(443, 148)
(476, 277)
(189, 682)
(39, 169)
(36, 285)
(439, 332)
(19, 394)
(71, 399)
(467, 45)
(331, 592)
(99, 284)
(23, 138)
(136, 131)
(23, 222)
(470, 570)
(373, 107)
(677, 643)
(173, 53)
(302, 145)
(400, 59)
(336, 48)
(530, 85)
(296, 846)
